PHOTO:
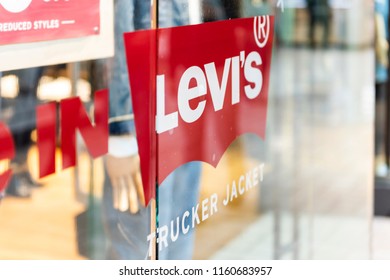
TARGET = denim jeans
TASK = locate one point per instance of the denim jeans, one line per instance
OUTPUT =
(179, 192)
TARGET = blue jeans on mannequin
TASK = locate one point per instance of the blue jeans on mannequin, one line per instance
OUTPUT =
(127, 233)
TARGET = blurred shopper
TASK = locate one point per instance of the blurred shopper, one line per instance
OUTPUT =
(214, 10)
(319, 15)
(381, 80)
(22, 123)
(126, 220)
(232, 8)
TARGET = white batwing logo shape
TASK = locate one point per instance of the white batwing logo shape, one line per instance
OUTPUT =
(15, 6)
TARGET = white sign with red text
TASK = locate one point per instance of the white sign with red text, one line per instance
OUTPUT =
(44, 32)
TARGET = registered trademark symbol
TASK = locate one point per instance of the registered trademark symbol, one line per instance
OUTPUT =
(261, 29)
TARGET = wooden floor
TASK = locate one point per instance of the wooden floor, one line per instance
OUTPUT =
(43, 226)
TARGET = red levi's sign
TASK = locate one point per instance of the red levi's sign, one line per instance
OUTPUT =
(25, 21)
(208, 86)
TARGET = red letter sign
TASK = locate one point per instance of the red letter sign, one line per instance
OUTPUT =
(46, 130)
(211, 86)
(73, 116)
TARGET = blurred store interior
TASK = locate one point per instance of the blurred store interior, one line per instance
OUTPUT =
(325, 193)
